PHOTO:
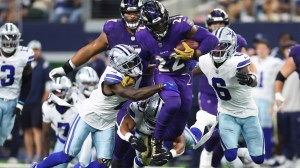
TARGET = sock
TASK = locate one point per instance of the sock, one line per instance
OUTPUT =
(55, 159)
(96, 164)
(237, 163)
(243, 152)
(205, 158)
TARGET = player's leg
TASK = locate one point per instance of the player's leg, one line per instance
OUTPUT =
(78, 133)
(28, 134)
(36, 118)
(59, 146)
(230, 132)
(254, 138)
(172, 103)
(178, 120)
(7, 118)
(265, 121)
(104, 143)
(85, 155)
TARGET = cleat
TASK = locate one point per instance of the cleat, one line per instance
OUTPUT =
(34, 165)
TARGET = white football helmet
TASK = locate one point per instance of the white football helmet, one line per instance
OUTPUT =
(152, 110)
(227, 44)
(62, 88)
(86, 80)
(10, 37)
(126, 60)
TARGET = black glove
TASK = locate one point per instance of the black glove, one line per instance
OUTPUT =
(161, 159)
(244, 79)
(137, 144)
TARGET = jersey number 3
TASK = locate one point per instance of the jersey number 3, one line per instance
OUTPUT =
(219, 86)
(9, 80)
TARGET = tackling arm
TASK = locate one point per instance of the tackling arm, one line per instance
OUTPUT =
(46, 129)
(126, 126)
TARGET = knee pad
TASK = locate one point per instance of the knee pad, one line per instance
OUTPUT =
(231, 154)
(104, 162)
(258, 159)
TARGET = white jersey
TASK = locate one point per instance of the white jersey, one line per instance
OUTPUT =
(77, 97)
(11, 69)
(267, 70)
(137, 114)
(100, 110)
(290, 92)
(233, 99)
(62, 121)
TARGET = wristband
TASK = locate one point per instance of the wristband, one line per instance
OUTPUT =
(174, 153)
(68, 66)
(127, 136)
(20, 105)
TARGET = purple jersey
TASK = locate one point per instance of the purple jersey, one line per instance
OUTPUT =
(163, 51)
(241, 42)
(117, 33)
(295, 53)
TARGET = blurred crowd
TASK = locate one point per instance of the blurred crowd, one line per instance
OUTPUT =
(253, 11)
(54, 11)
(71, 11)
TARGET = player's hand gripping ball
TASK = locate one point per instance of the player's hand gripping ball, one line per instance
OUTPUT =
(186, 49)
(128, 81)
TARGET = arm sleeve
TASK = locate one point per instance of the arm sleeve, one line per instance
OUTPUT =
(207, 40)
(26, 85)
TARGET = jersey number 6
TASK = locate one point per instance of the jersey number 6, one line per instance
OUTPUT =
(219, 86)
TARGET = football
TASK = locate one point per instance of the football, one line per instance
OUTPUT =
(191, 43)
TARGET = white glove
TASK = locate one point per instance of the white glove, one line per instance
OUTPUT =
(57, 72)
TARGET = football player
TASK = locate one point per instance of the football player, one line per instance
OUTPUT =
(59, 113)
(97, 114)
(143, 116)
(291, 64)
(267, 68)
(115, 31)
(15, 77)
(159, 35)
(212, 152)
(229, 74)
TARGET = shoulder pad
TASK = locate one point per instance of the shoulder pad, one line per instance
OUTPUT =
(242, 59)
(110, 25)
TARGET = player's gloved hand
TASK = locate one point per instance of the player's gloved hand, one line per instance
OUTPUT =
(57, 72)
(137, 144)
(188, 52)
(127, 81)
(18, 109)
(244, 79)
(162, 158)
(170, 86)
(61, 71)
(279, 100)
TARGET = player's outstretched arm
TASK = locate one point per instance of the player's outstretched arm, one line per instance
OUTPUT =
(126, 126)
(288, 68)
(82, 56)
(141, 93)
(46, 129)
